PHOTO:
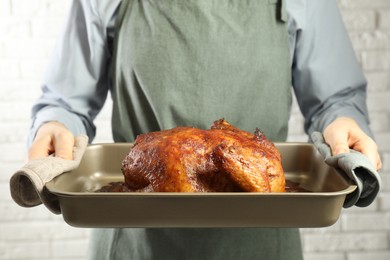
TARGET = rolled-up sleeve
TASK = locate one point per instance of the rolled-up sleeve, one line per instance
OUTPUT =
(327, 78)
(75, 84)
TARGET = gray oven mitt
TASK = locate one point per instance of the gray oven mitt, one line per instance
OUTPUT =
(357, 167)
(27, 185)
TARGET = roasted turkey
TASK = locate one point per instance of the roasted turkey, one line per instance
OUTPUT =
(188, 159)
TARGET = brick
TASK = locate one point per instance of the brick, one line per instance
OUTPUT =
(324, 256)
(387, 217)
(345, 241)
(14, 131)
(6, 170)
(2, 53)
(376, 60)
(61, 231)
(58, 8)
(12, 212)
(385, 178)
(40, 230)
(34, 8)
(4, 192)
(374, 206)
(378, 101)
(379, 122)
(103, 132)
(28, 8)
(363, 222)
(25, 250)
(294, 105)
(9, 69)
(71, 258)
(27, 48)
(106, 112)
(384, 197)
(386, 162)
(9, 108)
(69, 248)
(384, 19)
(383, 141)
(15, 27)
(296, 125)
(13, 152)
(302, 138)
(370, 40)
(378, 81)
(5, 7)
(381, 255)
(103, 124)
(334, 229)
(296, 131)
(359, 19)
(20, 90)
(363, 4)
(47, 27)
(33, 69)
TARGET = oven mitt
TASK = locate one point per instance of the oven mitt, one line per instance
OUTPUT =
(27, 185)
(357, 167)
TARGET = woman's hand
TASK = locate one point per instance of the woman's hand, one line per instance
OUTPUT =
(52, 137)
(344, 134)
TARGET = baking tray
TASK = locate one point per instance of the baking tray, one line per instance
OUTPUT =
(319, 206)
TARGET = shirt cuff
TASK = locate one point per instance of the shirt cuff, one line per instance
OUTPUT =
(323, 121)
(70, 120)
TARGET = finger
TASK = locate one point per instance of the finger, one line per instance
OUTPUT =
(338, 143)
(370, 149)
(41, 147)
(339, 148)
(379, 163)
(63, 145)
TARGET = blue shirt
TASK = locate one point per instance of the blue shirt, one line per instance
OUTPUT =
(326, 76)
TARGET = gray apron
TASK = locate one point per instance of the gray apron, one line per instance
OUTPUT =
(190, 62)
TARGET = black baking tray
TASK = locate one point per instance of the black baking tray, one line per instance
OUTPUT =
(317, 204)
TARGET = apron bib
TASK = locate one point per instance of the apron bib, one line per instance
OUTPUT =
(190, 62)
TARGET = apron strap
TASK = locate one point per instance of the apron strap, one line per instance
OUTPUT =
(283, 11)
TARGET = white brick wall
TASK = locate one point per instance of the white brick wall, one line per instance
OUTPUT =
(28, 29)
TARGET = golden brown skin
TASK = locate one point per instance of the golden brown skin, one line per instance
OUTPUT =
(187, 159)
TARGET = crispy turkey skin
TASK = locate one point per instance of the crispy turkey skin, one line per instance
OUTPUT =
(188, 159)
